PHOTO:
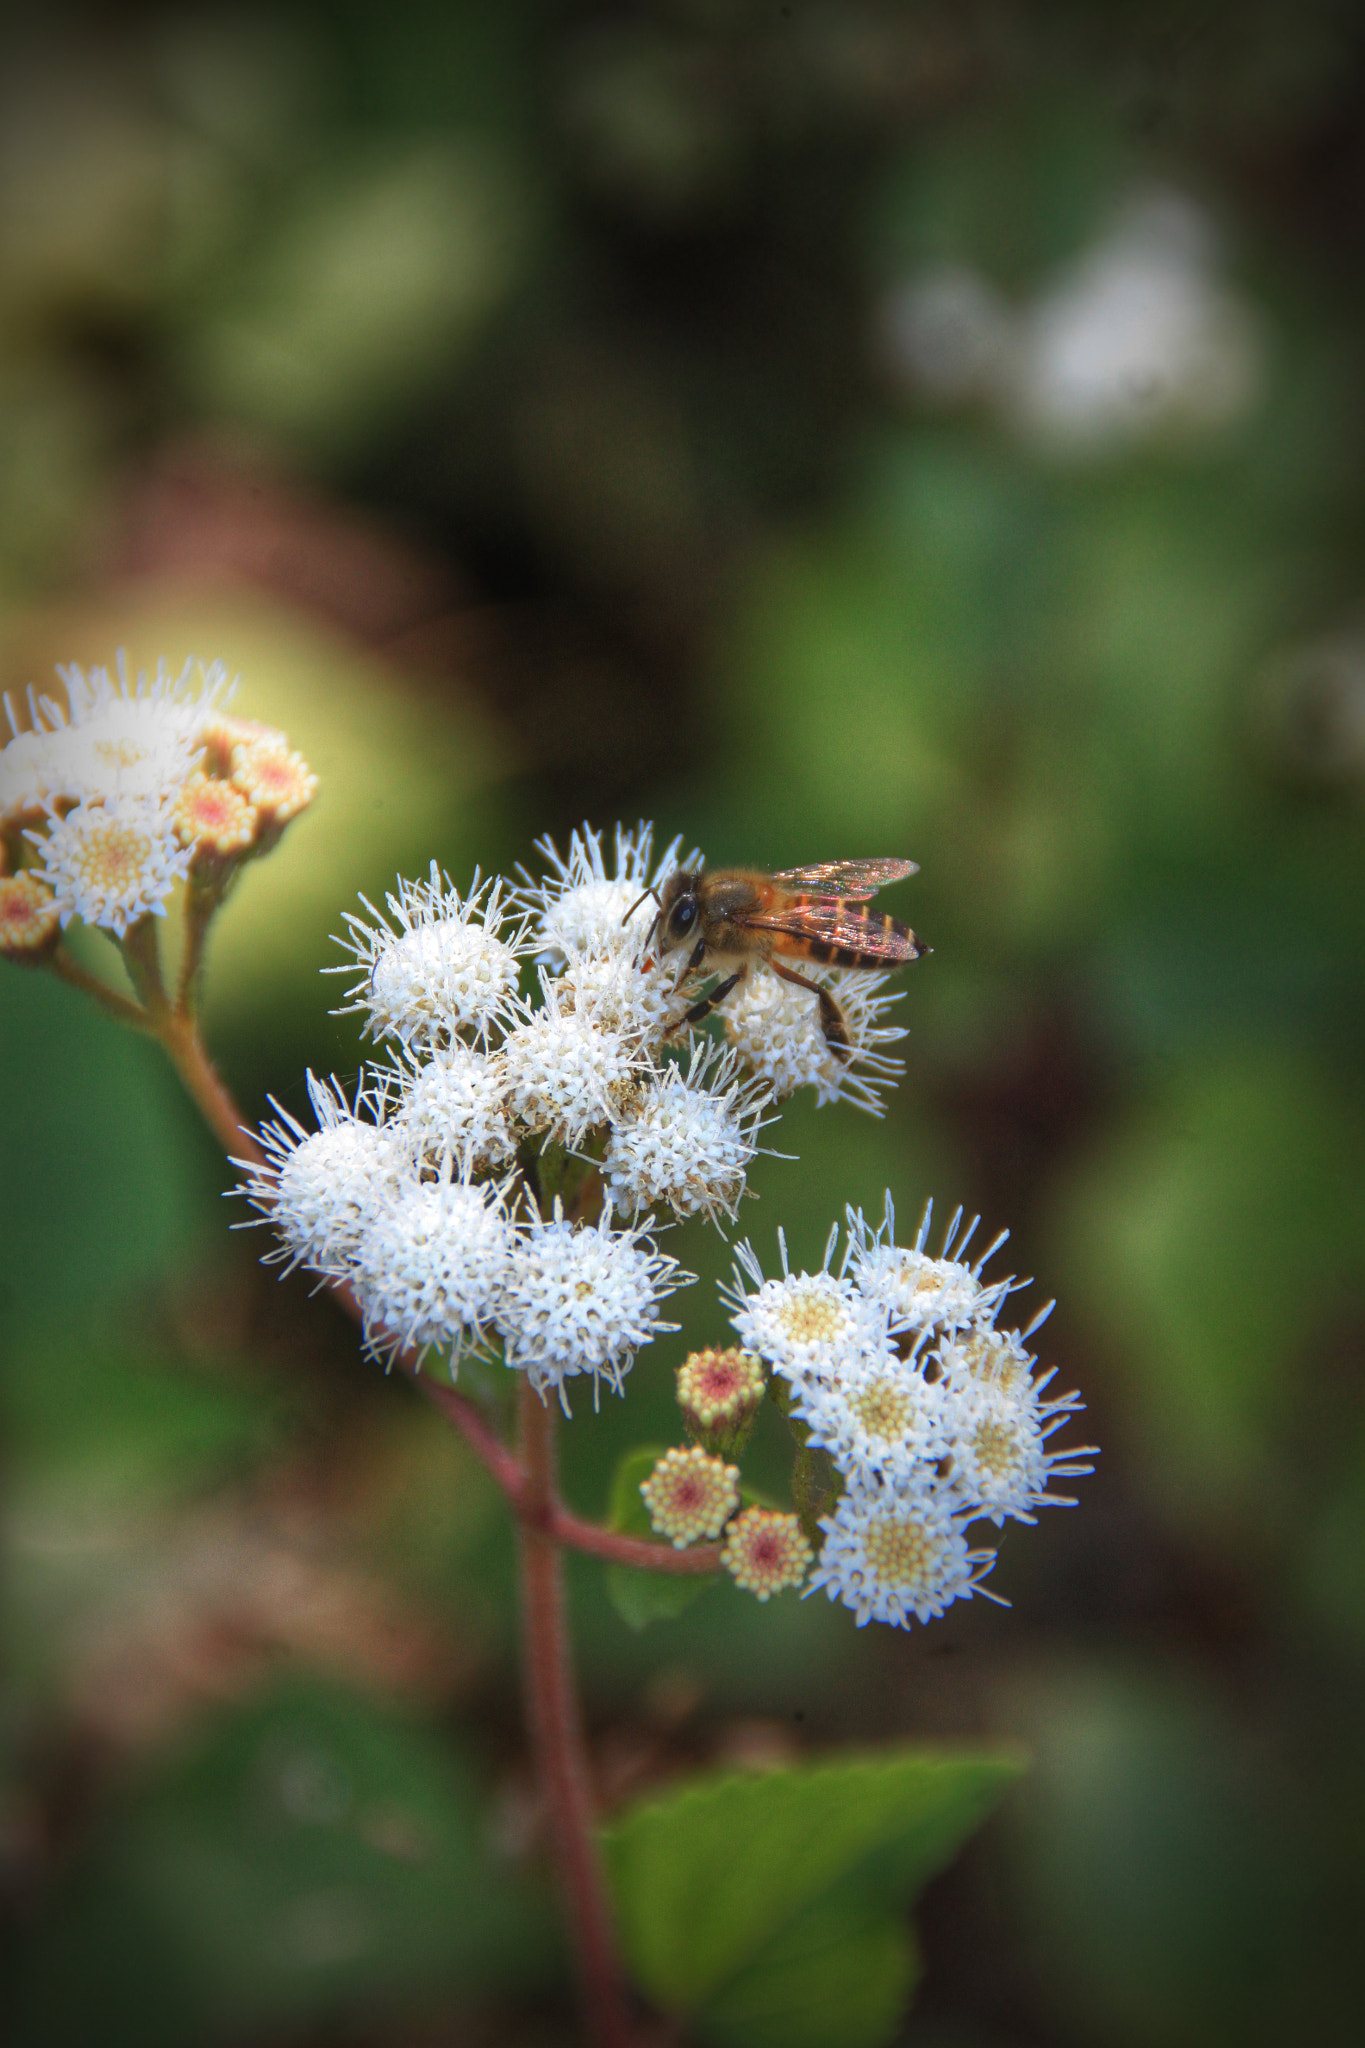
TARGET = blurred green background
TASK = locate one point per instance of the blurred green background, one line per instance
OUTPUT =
(828, 429)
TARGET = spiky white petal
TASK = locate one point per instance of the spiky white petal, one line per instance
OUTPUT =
(891, 1559)
(429, 1266)
(921, 1292)
(686, 1140)
(319, 1188)
(446, 964)
(111, 861)
(581, 1299)
(775, 1028)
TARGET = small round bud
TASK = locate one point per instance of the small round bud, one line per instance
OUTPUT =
(691, 1496)
(273, 777)
(765, 1551)
(214, 818)
(29, 921)
(719, 1393)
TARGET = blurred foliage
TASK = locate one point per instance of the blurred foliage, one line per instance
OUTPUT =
(830, 429)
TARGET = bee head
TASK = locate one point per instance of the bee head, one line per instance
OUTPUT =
(679, 910)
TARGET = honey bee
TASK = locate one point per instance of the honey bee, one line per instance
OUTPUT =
(817, 913)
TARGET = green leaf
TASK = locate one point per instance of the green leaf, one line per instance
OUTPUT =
(640, 1597)
(770, 1907)
(837, 1973)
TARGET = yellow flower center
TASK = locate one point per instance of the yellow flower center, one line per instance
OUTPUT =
(997, 1449)
(110, 858)
(885, 1408)
(903, 1552)
(811, 1317)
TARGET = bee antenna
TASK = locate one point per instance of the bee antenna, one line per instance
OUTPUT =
(651, 891)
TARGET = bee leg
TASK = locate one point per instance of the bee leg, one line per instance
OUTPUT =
(831, 1016)
(708, 1003)
(698, 954)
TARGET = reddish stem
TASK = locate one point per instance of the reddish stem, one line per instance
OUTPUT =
(557, 1733)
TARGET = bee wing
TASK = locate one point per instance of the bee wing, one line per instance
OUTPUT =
(858, 879)
(841, 925)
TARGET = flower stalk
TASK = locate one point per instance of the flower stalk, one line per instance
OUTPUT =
(556, 1729)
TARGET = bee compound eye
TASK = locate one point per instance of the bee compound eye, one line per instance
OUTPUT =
(685, 916)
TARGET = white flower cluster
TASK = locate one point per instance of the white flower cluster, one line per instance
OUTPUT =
(427, 1193)
(121, 788)
(932, 1417)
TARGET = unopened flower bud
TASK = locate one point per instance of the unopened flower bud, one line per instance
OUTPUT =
(30, 924)
(719, 1393)
(273, 777)
(215, 819)
(765, 1551)
(691, 1496)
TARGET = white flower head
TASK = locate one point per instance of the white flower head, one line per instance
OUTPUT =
(31, 773)
(982, 1356)
(449, 1106)
(686, 1140)
(881, 1421)
(890, 1559)
(580, 1299)
(581, 910)
(429, 1266)
(561, 1074)
(999, 1464)
(638, 998)
(451, 964)
(110, 862)
(319, 1188)
(119, 736)
(921, 1292)
(807, 1325)
(775, 1028)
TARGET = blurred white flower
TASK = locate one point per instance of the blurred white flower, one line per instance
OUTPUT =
(582, 1300)
(948, 332)
(1141, 339)
(120, 735)
(452, 964)
(112, 861)
(31, 770)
